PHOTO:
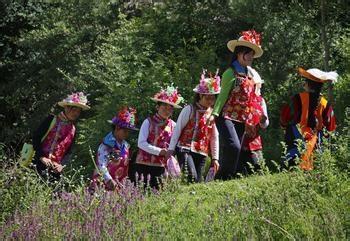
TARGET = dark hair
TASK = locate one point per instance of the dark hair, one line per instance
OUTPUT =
(196, 98)
(238, 50)
(314, 100)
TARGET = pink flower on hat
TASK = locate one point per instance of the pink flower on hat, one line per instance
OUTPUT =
(126, 118)
(170, 95)
(209, 85)
(76, 99)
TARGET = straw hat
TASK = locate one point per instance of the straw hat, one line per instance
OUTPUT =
(170, 96)
(319, 76)
(76, 99)
(250, 39)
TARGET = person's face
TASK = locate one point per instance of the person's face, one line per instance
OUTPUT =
(72, 112)
(165, 110)
(246, 59)
(207, 100)
(121, 133)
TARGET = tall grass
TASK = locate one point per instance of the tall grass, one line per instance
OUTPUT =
(285, 205)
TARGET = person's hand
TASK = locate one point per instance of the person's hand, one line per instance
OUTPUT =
(57, 168)
(215, 164)
(263, 119)
(169, 153)
(210, 119)
(163, 152)
(46, 161)
(111, 185)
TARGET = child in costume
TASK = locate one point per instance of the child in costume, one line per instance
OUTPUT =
(54, 138)
(113, 154)
(154, 138)
(194, 138)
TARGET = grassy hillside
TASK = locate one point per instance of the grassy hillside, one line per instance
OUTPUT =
(287, 205)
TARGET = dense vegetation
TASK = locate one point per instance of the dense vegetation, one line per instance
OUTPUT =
(121, 53)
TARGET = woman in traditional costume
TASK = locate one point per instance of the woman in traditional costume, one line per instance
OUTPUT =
(306, 117)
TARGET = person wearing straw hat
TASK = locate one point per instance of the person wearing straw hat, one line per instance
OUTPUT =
(306, 117)
(55, 136)
(154, 138)
(237, 109)
(194, 138)
(113, 154)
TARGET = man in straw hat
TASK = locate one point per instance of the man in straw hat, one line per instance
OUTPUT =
(238, 107)
(306, 116)
(55, 136)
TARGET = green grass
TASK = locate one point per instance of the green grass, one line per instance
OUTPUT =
(279, 206)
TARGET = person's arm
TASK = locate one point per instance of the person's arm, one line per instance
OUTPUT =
(142, 142)
(328, 117)
(228, 80)
(102, 159)
(264, 124)
(39, 133)
(291, 112)
(181, 122)
(214, 143)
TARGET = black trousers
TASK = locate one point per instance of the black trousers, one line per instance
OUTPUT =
(231, 135)
(192, 162)
(151, 175)
(251, 161)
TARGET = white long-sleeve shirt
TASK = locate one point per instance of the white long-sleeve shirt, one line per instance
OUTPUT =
(182, 121)
(264, 107)
(142, 142)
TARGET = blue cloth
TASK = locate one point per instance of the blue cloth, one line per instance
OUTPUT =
(111, 141)
(292, 137)
(239, 68)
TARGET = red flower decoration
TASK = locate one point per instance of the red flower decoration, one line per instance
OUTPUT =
(252, 36)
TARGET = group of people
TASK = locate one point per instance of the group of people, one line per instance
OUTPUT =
(222, 123)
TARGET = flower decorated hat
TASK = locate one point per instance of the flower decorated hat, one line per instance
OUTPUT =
(76, 99)
(125, 118)
(318, 76)
(208, 85)
(250, 39)
(170, 96)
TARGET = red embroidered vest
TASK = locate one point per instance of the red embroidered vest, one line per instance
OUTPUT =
(118, 164)
(196, 135)
(243, 104)
(160, 133)
(252, 143)
(59, 140)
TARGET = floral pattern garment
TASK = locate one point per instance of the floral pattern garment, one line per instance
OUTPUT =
(112, 160)
(244, 105)
(160, 133)
(59, 140)
(197, 134)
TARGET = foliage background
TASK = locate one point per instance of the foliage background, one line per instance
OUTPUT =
(122, 52)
